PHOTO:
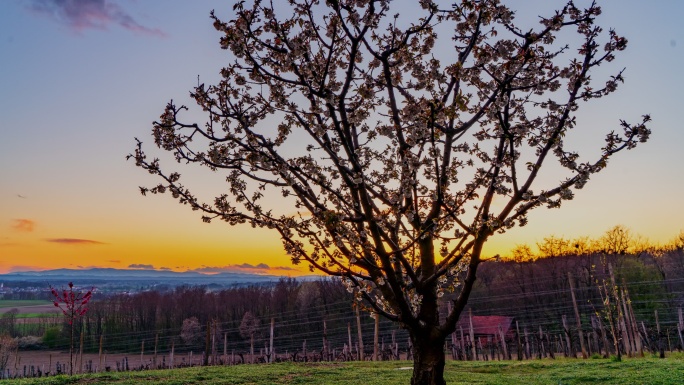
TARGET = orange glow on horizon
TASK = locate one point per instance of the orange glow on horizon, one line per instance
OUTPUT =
(183, 243)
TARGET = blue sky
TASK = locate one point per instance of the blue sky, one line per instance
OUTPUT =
(79, 79)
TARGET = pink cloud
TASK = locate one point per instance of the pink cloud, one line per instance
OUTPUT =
(23, 225)
(74, 241)
(91, 14)
(260, 268)
(141, 266)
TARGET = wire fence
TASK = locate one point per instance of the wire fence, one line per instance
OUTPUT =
(502, 326)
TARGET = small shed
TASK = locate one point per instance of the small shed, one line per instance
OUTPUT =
(488, 328)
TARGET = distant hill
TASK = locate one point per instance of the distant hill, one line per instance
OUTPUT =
(139, 277)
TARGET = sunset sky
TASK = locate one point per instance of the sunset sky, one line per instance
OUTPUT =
(80, 79)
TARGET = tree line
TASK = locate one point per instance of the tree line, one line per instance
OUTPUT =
(532, 286)
(181, 317)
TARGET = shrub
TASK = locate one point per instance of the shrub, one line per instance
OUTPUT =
(52, 336)
(29, 343)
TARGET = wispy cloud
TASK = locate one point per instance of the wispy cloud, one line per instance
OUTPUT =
(287, 268)
(140, 266)
(114, 260)
(23, 225)
(80, 15)
(20, 268)
(87, 267)
(74, 241)
(260, 268)
(248, 266)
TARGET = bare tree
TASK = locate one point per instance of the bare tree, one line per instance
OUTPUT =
(8, 348)
(248, 329)
(388, 146)
(191, 331)
(553, 246)
(618, 240)
(8, 322)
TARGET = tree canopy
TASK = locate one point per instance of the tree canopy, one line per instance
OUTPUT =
(398, 147)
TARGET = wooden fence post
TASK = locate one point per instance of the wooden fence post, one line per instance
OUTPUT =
(503, 344)
(588, 344)
(270, 351)
(594, 327)
(358, 329)
(173, 343)
(375, 336)
(635, 326)
(541, 343)
(206, 344)
(577, 315)
(472, 334)
(627, 320)
(627, 337)
(453, 334)
(214, 327)
(324, 351)
(482, 349)
(517, 333)
(80, 354)
(659, 337)
(99, 368)
(395, 346)
(604, 334)
(349, 336)
(680, 327)
(568, 348)
(156, 344)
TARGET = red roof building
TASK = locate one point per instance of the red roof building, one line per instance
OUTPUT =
(486, 328)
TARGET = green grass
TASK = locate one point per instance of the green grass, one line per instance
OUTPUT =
(547, 372)
(11, 303)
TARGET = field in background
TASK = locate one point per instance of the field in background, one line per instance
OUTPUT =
(8, 304)
(28, 307)
(669, 371)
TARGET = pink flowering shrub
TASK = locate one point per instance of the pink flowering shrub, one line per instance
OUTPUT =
(73, 305)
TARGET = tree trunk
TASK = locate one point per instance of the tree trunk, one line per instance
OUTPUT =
(428, 359)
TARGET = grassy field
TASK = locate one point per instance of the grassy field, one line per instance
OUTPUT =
(548, 372)
(11, 303)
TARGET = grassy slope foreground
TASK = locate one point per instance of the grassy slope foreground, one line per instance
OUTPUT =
(547, 372)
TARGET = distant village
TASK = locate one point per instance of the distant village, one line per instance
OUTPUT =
(36, 285)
